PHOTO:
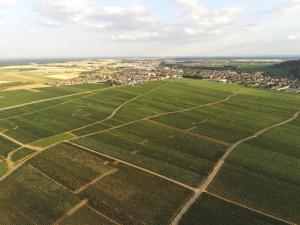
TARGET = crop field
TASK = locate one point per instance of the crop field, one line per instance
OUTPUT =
(6, 146)
(187, 152)
(86, 215)
(266, 172)
(211, 210)
(23, 194)
(169, 152)
(31, 77)
(69, 166)
(133, 197)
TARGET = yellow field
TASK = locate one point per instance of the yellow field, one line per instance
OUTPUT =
(32, 76)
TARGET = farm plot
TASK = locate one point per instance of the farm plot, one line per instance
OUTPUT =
(266, 172)
(169, 152)
(28, 198)
(12, 98)
(209, 210)
(87, 216)
(38, 107)
(171, 97)
(133, 197)
(6, 146)
(52, 140)
(3, 167)
(69, 116)
(267, 194)
(167, 139)
(230, 121)
(21, 154)
(71, 166)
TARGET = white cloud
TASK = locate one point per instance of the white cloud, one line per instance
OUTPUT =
(89, 14)
(52, 23)
(199, 19)
(134, 36)
(292, 37)
(31, 30)
(201, 14)
(7, 2)
(289, 6)
(3, 4)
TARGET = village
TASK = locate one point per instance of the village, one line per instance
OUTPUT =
(257, 79)
(140, 72)
(124, 74)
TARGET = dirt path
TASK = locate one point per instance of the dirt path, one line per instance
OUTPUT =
(20, 143)
(9, 162)
(104, 216)
(72, 211)
(219, 165)
(250, 209)
(117, 109)
(110, 172)
(50, 99)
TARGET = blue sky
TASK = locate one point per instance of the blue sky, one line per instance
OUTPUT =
(91, 28)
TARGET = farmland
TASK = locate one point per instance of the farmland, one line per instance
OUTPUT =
(142, 155)
(32, 76)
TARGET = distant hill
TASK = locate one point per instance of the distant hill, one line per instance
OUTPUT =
(289, 68)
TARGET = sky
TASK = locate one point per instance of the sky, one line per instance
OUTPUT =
(148, 28)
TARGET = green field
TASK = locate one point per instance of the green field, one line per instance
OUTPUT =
(96, 154)
(209, 210)
(264, 173)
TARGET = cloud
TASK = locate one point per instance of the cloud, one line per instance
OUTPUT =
(290, 6)
(117, 19)
(200, 19)
(52, 23)
(3, 4)
(132, 21)
(199, 13)
(31, 30)
(292, 37)
(134, 36)
(7, 2)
